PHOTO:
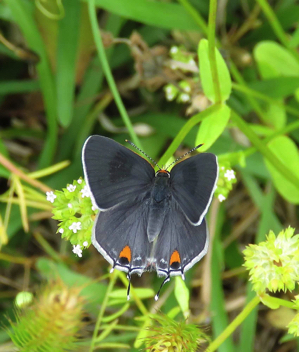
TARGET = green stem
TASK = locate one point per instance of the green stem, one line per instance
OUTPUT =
(185, 130)
(102, 310)
(234, 324)
(283, 169)
(106, 68)
(196, 16)
(244, 89)
(212, 51)
(276, 26)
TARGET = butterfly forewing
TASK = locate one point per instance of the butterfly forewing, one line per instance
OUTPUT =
(193, 182)
(114, 173)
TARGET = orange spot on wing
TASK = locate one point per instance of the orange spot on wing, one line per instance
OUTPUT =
(126, 253)
(175, 257)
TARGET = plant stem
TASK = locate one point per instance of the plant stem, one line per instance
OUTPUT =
(196, 16)
(265, 151)
(212, 51)
(185, 130)
(234, 324)
(276, 26)
(102, 310)
(10, 166)
(106, 68)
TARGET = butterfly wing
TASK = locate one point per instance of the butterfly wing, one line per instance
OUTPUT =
(119, 234)
(193, 182)
(114, 173)
(180, 244)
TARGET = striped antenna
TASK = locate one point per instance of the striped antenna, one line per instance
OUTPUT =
(141, 151)
(181, 157)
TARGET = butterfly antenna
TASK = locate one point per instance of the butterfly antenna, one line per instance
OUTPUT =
(163, 283)
(141, 151)
(182, 156)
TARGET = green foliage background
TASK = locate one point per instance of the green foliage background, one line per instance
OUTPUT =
(65, 64)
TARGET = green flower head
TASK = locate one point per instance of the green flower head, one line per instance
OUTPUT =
(274, 263)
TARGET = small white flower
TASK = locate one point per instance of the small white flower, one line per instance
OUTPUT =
(85, 243)
(71, 188)
(222, 167)
(94, 208)
(70, 205)
(61, 230)
(85, 192)
(77, 250)
(187, 89)
(75, 226)
(51, 196)
(185, 97)
(79, 181)
(221, 198)
(230, 174)
(174, 50)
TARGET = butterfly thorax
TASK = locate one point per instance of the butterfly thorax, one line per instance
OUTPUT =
(160, 197)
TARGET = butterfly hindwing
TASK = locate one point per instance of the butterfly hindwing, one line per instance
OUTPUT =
(120, 235)
(193, 182)
(180, 244)
(114, 173)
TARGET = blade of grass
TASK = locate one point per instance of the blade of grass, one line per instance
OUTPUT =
(71, 142)
(67, 47)
(13, 87)
(218, 313)
(106, 68)
(23, 16)
(196, 16)
(22, 203)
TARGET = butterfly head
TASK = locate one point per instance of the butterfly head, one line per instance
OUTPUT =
(162, 173)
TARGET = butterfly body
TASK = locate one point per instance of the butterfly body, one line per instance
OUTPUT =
(147, 220)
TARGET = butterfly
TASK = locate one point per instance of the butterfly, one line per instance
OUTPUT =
(147, 220)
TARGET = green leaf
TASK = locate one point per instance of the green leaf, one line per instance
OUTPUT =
(68, 38)
(206, 74)
(154, 13)
(212, 127)
(276, 87)
(286, 151)
(274, 60)
(182, 294)
(276, 115)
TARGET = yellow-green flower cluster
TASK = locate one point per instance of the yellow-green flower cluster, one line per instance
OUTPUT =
(274, 263)
(73, 208)
(293, 326)
(172, 336)
(226, 179)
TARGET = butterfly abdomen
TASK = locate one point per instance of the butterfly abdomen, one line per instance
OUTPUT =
(160, 198)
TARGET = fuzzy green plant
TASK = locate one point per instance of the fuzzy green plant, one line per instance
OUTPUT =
(167, 335)
(51, 323)
(74, 210)
(274, 263)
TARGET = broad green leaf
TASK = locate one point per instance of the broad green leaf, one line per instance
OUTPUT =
(155, 13)
(212, 127)
(276, 87)
(286, 151)
(206, 74)
(274, 60)
(182, 294)
(276, 115)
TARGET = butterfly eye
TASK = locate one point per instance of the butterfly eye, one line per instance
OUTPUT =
(175, 260)
(125, 256)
